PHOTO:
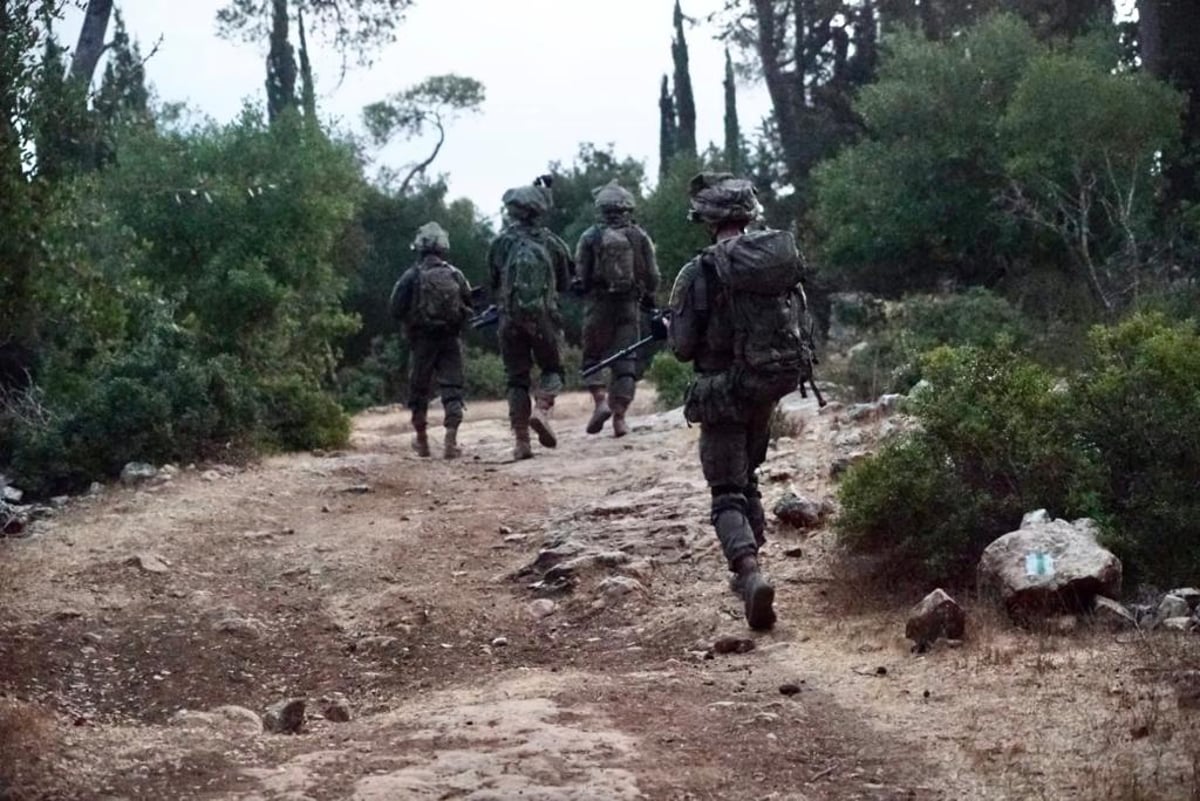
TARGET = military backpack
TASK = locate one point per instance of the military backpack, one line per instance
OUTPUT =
(758, 273)
(616, 262)
(528, 278)
(439, 297)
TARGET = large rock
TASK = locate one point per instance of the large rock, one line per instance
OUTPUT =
(1173, 606)
(1049, 566)
(936, 616)
(796, 510)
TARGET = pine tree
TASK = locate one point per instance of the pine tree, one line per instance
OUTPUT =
(123, 96)
(668, 130)
(685, 101)
(281, 64)
(734, 158)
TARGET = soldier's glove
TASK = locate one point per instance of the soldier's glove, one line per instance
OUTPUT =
(660, 324)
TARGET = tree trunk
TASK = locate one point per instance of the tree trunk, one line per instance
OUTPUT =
(90, 45)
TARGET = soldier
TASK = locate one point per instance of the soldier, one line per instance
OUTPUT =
(616, 268)
(530, 268)
(737, 312)
(433, 300)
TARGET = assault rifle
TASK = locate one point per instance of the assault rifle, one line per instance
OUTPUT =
(658, 331)
(486, 317)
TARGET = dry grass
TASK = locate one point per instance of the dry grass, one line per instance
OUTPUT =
(26, 744)
(785, 425)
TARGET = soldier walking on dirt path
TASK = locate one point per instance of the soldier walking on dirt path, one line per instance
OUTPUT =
(530, 267)
(737, 313)
(432, 300)
(616, 269)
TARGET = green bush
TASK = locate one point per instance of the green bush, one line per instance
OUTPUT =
(890, 361)
(485, 374)
(994, 442)
(299, 417)
(1137, 406)
(671, 378)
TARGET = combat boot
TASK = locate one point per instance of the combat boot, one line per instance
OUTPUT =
(601, 413)
(420, 440)
(522, 449)
(540, 423)
(450, 449)
(619, 427)
(757, 594)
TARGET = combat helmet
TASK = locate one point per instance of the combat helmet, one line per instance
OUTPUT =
(529, 203)
(720, 197)
(431, 238)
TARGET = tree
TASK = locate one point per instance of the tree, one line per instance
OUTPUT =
(685, 101)
(668, 129)
(281, 63)
(1083, 145)
(350, 26)
(1169, 43)
(735, 158)
(432, 103)
(812, 55)
(123, 95)
(942, 19)
(90, 46)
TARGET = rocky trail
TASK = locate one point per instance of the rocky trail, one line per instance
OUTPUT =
(554, 629)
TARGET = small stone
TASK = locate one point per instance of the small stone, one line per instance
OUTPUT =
(357, 489)
(1108, 612)
(96, 488)
(149, 563)
(1189, 594)
(789, 689)
(11, 494)
(1178, 624)
(284, 717)
(210, 475)
(1173, 606)
(615, 587)
(70, 613)
(374, 644)
(505, 530)
(542, 608)
(92, 638)
(135, 473)
(60, 501)
(937, 616)
(798, 511)
(795, 552)
(238, 627)
(238, 717)
(499, 642)
(881, 671)
(336, 708)
(733, 645)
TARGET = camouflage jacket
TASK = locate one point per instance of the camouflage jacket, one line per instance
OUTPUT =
(645, 263)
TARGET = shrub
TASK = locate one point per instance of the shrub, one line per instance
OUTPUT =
(485, 374)
(1137, 406)
(994, 442)
(300, 417)
(671, 378)
(890, 361)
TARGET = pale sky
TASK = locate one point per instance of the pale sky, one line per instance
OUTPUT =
(557, 72)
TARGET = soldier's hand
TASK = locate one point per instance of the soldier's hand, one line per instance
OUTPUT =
(660, 325)
(648, 304)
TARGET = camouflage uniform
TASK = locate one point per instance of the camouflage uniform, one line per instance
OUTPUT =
(435, 350)
(530, 340)
(732, 404)
(612, 315)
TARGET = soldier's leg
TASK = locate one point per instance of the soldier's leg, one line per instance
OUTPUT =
(624, 327)
(758, 436)
(596, 343)
(515, 351)
(550, 381)
(422, 363)
(723, 455)
(452, 385)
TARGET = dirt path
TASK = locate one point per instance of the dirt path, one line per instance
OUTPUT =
(141, 626)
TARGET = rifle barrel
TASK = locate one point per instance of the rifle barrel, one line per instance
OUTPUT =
(616, 357)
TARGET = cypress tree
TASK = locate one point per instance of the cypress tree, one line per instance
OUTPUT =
(308, 91)
(733, 132)
(281, 64)
(685, 101)
(667, 130)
